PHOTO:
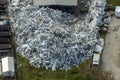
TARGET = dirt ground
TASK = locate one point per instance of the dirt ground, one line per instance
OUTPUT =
(111, 52)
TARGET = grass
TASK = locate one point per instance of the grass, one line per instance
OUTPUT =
(111, 4)
(28, 72)
(1, 78)
(83, 72)
(114, 2)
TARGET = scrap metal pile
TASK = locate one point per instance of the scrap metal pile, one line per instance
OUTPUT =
(46, 39)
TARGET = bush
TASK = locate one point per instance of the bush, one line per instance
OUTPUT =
(84, 9)
(74, 70)
(110, 7)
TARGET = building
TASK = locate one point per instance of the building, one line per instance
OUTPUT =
(117, 11)
(55, 2)
(96, 59)
(70, 6)
(8, 69)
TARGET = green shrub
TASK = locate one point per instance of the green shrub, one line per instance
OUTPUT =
(74, 70)
(84, 9)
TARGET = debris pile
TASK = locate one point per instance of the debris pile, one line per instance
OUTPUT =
(46, 39)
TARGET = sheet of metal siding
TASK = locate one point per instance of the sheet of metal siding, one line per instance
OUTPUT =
(8, 64)
(55, 2)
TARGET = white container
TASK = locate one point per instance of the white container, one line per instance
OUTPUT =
(8, 66)
(117, 11)
(96, 59)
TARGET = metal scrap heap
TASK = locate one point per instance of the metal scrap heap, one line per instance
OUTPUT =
(46, 39)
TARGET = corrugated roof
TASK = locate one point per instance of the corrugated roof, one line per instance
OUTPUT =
(55, 2)
(8, 64)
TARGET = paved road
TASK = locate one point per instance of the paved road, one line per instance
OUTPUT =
(111, 52)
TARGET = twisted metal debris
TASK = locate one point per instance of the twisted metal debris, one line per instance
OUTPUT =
(46, 39)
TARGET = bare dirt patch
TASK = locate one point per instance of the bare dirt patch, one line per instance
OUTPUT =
(111, 53)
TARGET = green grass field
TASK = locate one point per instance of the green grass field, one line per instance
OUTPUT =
(83, 72)
(28, 72)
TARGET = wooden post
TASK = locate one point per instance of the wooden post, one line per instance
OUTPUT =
(76, 9)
